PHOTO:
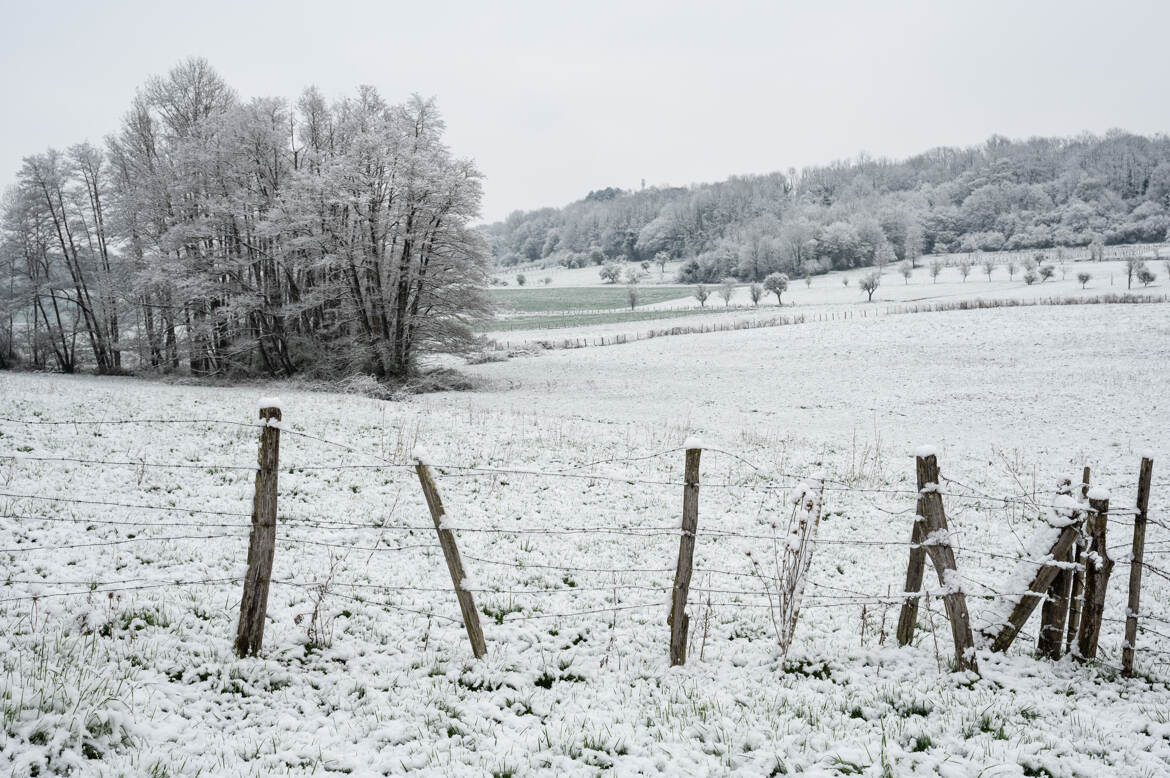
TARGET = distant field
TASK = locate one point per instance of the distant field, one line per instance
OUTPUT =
(588, 319)
(580, 298)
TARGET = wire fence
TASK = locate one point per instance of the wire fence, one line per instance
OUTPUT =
(756, 491)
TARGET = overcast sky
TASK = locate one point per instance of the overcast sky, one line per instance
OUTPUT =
(555, 99)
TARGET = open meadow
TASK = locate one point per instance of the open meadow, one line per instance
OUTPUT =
(124, 546)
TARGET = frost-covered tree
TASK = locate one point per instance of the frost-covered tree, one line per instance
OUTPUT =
(755, 291)
(936, 267)
(727, 290)
(701, 294)
(1084, 278)
(870, 283)
(907, 270)
(610, 272)
(777, 284)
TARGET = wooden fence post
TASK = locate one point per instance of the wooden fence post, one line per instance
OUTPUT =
(908, 618)
(1041, 582)
(454, 561)
(1054, 611)
(1135, 568)
(1076, 595)
(262, 541)
(1098, 566)
(678, 619)
(942, 556)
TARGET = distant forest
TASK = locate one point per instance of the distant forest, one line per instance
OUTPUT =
(1032, 194)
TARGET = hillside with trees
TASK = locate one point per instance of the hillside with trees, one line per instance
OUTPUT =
(1038, 193)
(242, 237)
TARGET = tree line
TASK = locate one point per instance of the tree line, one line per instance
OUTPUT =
(244, 237)
(1038, 193)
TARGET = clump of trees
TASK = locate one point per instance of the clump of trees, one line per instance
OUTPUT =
(232, 236)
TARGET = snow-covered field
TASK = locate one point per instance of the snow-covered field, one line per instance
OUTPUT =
(133, 672)
(829, 293)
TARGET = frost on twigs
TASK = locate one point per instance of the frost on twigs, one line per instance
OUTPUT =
(791, 558)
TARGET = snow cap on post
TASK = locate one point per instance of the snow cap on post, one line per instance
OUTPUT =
(1098, 493)
(926, 451)
(693, 441)
(269, 402)
(421, 455)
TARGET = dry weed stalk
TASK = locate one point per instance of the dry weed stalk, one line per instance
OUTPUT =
(791, 560)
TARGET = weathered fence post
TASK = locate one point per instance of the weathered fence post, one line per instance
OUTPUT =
(678, 619)
(1135, 569)
(942, 556)
(908, 618)
(1098, 566)
(1054, 611)
(454, 561)
(1077, 595)
(262, 541)
(1066, 519)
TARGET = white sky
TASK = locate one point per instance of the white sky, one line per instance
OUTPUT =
(556, 98)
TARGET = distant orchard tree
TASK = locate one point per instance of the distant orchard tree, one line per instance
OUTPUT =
(520, 279)
(632, 295)
(547, 280)
(1029, 277)
(844, 280)
(1132, 266)
(660, 259)
(936, 267)
(870, 283)
(726, 290)
(610, 272)
(632, 276)
(884, 256)
(1012, 267)
(1097, 249)
(907, 269)
(777, 284)
(1084, 278)
(1145, 276)
(989, 267)
(1046, 273)
(756, 291)
(964, 268)
(701, 294)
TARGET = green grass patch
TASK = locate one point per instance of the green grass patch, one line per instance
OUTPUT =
(581, 298)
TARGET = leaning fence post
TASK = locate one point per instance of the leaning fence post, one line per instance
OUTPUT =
(1076, 595)
(1054, 611)
(942, 556)
(1135, 567)
(262, 541)
(678, 619)
(1098, 566)
(451, 554)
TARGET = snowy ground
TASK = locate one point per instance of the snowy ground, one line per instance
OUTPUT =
(1015, 398)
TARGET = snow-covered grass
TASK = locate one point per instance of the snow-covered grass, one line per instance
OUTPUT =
(1013, 399)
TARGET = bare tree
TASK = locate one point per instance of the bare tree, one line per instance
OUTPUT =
(936, 267)
(755, 291)
(907, 269)
(726, 290)
(701, 294)
(870, 283)
(1084, 278)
